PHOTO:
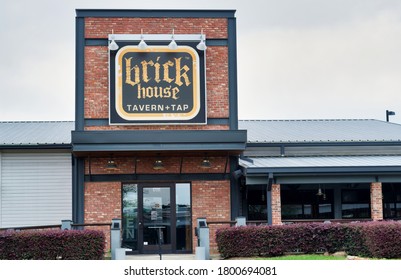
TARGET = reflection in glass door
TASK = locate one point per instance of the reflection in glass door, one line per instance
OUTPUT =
(156, 218)
(157, 212)
(130, 216)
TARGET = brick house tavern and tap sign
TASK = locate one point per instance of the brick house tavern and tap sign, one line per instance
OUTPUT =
(157, 142)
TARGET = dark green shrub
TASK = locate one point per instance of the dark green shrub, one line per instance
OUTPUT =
(52, 245)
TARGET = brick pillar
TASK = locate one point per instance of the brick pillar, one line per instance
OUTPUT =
(376, 201)
(276, 204)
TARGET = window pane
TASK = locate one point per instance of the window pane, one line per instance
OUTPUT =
(289, 212)
(183, 220)
(130, 216)
(356, 211)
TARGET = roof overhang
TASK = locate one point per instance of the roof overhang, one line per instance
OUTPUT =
(287, 170)
(90, 142)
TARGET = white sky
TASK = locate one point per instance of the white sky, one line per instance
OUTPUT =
(297, 59)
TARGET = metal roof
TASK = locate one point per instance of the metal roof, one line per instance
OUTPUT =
(35, 133)
(334, 161)
(312, 131)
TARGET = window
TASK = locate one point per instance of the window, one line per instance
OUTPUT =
(257, 205)
(306, 204)
(391, 200)
(355, 203)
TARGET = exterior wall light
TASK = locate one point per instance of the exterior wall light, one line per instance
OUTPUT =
(142, 45)
(173, 45)
(158, 165)
(168, 39)
(202, 45)
(111, 164)
(205, 163)
(388, 114)
(113, 45)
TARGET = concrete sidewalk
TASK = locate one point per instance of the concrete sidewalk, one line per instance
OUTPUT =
(167, 257)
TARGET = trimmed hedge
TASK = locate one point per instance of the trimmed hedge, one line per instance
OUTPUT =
(370, 239)
(52, 245)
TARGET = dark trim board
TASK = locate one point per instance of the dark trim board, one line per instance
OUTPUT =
(156, 140)
(157, 177)
(79, 73)
(232, 73)
(324, 170)
(78, 179)
(147, 13)
(105, 122)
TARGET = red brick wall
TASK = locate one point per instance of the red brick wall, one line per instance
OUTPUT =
(126, 165)
(215, 28)
(376, 200)
(96, 101)
(211, 200)
(276, 204)
(102, 204)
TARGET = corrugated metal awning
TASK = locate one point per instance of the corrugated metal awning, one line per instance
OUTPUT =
(16, 134)
(330, 164)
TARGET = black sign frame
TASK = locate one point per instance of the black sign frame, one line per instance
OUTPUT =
(199, 115)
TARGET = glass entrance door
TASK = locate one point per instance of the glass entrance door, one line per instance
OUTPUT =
(157, 216)
(155, 225)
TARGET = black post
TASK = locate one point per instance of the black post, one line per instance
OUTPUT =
(160, 243)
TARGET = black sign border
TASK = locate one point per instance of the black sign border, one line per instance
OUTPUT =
(200, 118)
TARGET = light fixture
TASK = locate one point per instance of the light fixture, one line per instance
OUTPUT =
(113, 45)
(205, 163)
(111, 164)
(202, 45)
(158, 165)
(389, 113)
(173, 45)
(319, 192)
(142, 45)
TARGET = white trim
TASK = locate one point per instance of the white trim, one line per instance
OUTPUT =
(157, 37)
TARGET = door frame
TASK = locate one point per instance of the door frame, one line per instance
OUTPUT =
(151, 249)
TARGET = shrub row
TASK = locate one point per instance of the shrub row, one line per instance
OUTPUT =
(370, 239)
(52, 245)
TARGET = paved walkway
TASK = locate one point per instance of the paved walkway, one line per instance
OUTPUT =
(165, 257)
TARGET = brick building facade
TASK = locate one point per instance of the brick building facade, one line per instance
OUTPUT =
(158, 171)
(133, 188)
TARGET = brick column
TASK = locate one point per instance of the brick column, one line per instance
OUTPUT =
(276, 204)
(376, 201)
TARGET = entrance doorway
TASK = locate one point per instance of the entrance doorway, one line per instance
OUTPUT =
(157, 216)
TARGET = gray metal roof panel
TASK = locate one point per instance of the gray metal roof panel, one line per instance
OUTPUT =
(334, 161)
(312, 131)
(35, 133)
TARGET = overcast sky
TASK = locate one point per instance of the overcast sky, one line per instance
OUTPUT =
(297, 59)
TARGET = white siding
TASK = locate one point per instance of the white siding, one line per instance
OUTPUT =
(35, 188)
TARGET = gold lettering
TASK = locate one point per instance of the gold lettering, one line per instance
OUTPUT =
(167, 92)
(179, 74)
(149, 92)
(175, 91)
(145, 64)
(141, 92)
(166, 74)
(157, 70)
(128, 71)
(158, 92)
